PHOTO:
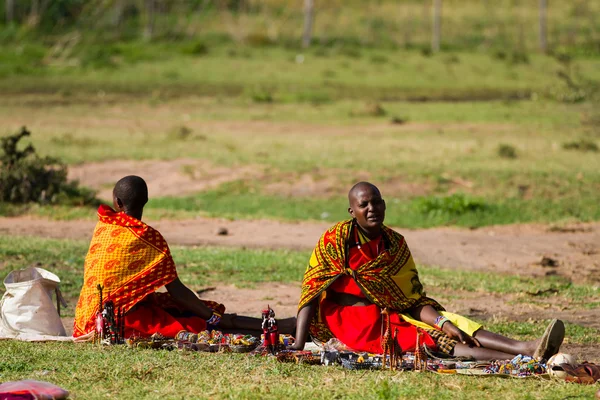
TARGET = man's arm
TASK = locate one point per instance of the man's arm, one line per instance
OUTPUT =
(305, 315)
(428, 314)
(187, 299)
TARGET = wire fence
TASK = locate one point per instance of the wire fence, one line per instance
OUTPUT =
(431, 25)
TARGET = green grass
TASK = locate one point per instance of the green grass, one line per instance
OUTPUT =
(91, 372)
(234, 202)
(321, 77)
(444, 149)
(94, 372)
(473, 281)
(197, 266)
(202, 266)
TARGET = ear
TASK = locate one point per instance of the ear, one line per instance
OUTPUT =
(384, 205)
(351, 212)
(119, 203)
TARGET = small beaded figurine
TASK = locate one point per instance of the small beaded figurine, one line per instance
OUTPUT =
(270, 330)
(389, 343)
(420, 363)
(110, 323)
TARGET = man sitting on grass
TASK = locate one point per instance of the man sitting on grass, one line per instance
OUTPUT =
(360, 266)
(130, 261)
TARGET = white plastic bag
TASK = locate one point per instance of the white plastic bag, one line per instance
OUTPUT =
(27, 310)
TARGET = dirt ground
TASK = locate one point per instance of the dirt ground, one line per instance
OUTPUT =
(571, 251)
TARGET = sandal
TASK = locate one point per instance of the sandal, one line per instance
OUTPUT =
(586, 373)
(551, 340)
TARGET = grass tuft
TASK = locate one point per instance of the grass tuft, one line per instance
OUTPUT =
(507, 151)
(581, 145)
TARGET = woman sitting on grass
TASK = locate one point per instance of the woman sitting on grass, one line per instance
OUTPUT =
(130, 261)
(360, 266)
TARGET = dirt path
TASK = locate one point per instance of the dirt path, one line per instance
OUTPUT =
(571, 251)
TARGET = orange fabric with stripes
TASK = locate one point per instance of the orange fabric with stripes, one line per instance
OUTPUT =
(128, 258)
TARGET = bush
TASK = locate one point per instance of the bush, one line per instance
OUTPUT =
(196, 48)
(507, 151)
(518, 57)
(26, 177)
(259, 95)
(454, 205)
(581, 145)
(369, 110)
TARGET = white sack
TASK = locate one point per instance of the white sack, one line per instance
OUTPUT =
(27, 310)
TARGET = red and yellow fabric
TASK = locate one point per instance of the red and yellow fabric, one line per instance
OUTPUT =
(387, 279)
(159, 313)
(128, 258)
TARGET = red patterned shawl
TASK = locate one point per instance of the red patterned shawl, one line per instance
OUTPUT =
(391, 280)
(128, 258)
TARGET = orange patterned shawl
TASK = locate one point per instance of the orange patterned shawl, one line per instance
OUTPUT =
(128, 258)
(391, 280)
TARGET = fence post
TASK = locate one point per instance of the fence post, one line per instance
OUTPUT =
(308, 22)
(34, 14)
(118, 12)
(436, 26)
(9, 10)
(149, 28)
(543, 25)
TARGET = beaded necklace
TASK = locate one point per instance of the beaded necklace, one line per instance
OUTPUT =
(356, 239)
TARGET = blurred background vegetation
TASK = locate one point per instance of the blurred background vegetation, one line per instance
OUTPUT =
(509, 26)
(75, 32)
(474, 112)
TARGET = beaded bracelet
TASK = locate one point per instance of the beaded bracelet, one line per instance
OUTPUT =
(214, 319)
(440, 321)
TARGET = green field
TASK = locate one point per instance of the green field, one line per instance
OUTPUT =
(92, 372)
(461, 137)
(448, 164)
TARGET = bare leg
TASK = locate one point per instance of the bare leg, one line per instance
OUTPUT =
(493, 341)
(480, 353)
(244, 324)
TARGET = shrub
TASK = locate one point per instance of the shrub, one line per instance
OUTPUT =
(399, 120)
(180, 132)
(379, 59)
(26, 177)
(369, 110)
(518, 57)
(581, 145)
(454, 205)
(259, 95)
(507, 151)
(313, 96)
(196, 48)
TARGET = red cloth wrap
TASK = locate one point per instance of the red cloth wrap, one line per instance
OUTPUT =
(359, 327)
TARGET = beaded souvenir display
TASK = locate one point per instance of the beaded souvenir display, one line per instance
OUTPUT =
(110, 325)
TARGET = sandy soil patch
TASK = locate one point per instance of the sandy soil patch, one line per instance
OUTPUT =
(164, 178)
(327, 184)
(187, 176)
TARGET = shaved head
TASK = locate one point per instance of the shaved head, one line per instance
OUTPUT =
(359, 187)
(367, 208)
(132, 192)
